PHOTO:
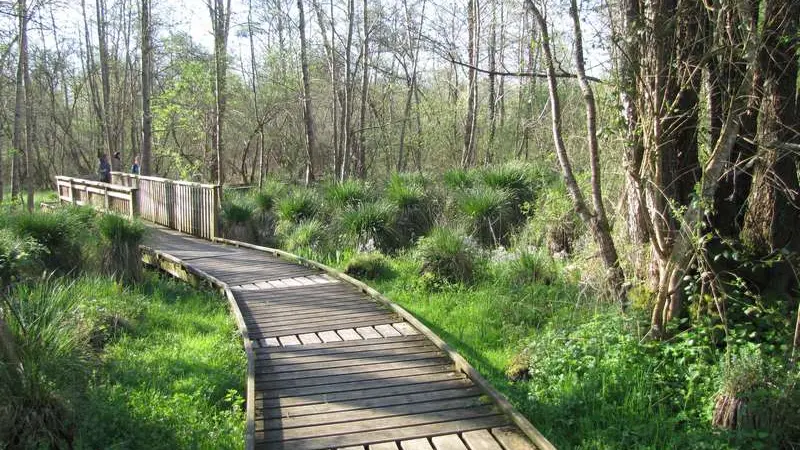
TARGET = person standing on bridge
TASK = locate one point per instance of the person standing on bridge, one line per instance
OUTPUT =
(135, 166)
(104, 168)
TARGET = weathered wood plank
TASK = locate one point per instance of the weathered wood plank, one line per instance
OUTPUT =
(289, 340)
(347, 353)
(349, 334)
(368, 333)
(423, 408)
(329, 336)
(374, 424)
(480, 440)
(339, 345)
(405, 329)
(416, 444)
(512, 439)
(395, 434)
(406, 398)
(266, 369)
(387, 330)
(270, 387)
(309, 338)
(448, 442)
(355, 391)
(384, 446)
(362, 370)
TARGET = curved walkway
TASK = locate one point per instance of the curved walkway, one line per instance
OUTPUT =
(332, 367)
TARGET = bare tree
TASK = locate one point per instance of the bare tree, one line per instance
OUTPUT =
(147, 77)
(308, 117)
(220, 12)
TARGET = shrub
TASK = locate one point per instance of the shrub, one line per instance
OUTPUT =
(237, 210)
(555, 224)
(57, 232)
(369, 266)
(371, 222)
(18, 257)
(458, 179)
(349, 193)
(487, 212)
(300, 205)
(44, 362)
(121, 239)
(309, 237)
(514, 178)
(533, 267)
(447, 256)
(415, 209)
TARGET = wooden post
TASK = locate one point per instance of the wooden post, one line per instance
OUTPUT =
(105, 198)
(133, 203)
(214, 211)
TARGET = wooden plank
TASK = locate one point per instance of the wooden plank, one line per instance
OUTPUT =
(384, 446)
(387, 330)
(374, 424)
(317, 316)
(270, 342)
(448, 442)
(408, 432)
(334, 346)
(266, 331)
(405, 329)
(351, 392)
(405, 398)
(356, 367)
(480, 440)
(350, 353)
(289, 340)
(266, 368)
(416, 444)
(309, 312)
(277, 308)
(349, 334)
(512, 439)
(368, 333)
(329, 336)
(424, 408)
(355, 447)
(267, 384)
(309, 338)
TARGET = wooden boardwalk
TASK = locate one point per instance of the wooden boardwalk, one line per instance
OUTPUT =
(334, 369)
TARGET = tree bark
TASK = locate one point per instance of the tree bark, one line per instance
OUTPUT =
(360, 162)
(147, 76)
(772, 216)
(468, 154)
(492, 85)
(308, 118)
(594, 219)
(220, 17)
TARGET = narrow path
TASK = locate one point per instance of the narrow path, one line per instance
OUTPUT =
(335, 369)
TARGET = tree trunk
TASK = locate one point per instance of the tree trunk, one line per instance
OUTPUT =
(29, 111)
(102, 37)
(347, 131)
(772, 218)
(594, 219)
(254, 89)
(308, 117)
(360, 162)
(147, 76)
(335, 93)
(413, 46)
(220, 17)
(492, 85)
(468, 154)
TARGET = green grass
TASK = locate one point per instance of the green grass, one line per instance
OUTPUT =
(174, 380)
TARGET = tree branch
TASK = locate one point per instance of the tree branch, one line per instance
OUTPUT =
(519, 74)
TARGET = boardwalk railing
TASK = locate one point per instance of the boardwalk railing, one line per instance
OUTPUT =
(191, 208)
(111, 197)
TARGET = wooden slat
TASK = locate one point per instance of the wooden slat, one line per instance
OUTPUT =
(411, 361)
(368, 333)
(384, 446)
(431, 407)
(398, 433)
(399, 348)
(448, 442)
(416, 444)
(268, 369)
(480, 440)
(333, 347)
(380, 401)
(286, 386)
(354, 391)
(511, 439)
(384, 423)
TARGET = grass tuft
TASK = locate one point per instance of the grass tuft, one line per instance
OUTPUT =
(447, 256)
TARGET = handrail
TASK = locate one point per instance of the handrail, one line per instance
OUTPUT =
(106, 196)
(162, 180)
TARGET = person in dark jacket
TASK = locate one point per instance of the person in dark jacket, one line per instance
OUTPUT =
(135, 166)
(104, 168)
